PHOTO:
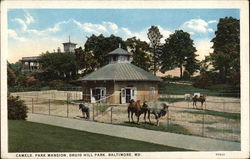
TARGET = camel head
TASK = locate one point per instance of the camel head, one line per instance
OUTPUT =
(165, 106)
(131, 101)
(145, 104)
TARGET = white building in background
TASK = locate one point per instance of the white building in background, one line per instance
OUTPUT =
(69, 46)
(32, 64)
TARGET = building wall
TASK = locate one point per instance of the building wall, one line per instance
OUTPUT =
(143, 90)
(109, 85)
(114, 89)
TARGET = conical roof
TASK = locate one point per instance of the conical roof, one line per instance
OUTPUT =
(119, 51)
(120, 72)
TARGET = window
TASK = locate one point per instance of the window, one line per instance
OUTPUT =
(114, 58)
(152, 91)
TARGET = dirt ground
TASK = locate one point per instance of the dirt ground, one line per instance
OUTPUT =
(53, 103)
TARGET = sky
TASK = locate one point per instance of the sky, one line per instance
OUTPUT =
(33, 31)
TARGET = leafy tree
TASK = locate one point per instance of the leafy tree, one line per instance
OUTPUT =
(179, 51)
(226, 45)
(86, 61)
(100, 46)
(155, 36)
(58, 66)
(11, 77)
(140, 50)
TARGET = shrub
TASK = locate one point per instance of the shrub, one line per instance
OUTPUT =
(11, 77)
(202, 81)
(186, 75)
(30, 81)
(235, 78)
(17, 110)
(56, 83)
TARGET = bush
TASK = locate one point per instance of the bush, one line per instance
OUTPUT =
(30, 81)
(11, 76)
(56, 83)
(186, 75)
(202, 81)
(17, 110)
(235, 78)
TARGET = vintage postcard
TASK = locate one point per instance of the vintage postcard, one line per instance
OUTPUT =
(124, 79)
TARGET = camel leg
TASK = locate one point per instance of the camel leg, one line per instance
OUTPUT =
(128, 116)
(132, 114)
(149, 116)
(138, 118)
(145, 116)
(87, 115)
(157, 122)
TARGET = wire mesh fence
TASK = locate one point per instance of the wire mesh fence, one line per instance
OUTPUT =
(218, 118)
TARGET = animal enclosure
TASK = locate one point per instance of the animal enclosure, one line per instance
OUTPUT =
(219, 118)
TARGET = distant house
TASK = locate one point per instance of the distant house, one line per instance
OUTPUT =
(119, 81)
(32, 64)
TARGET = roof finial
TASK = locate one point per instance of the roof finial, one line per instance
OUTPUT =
(69, 38)
(119, 45)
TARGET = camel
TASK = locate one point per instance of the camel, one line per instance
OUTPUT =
(135, 107)
(156, 108)
(201, 98)
(85, 110)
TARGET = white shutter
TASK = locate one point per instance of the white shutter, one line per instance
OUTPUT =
(123, 96)
(133, 93)
(92, 98)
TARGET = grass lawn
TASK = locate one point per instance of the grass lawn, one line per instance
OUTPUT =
(27, 136)
(201, 122)
(212, 129)
(101, 107)
(235, 116)
(173, 128)
(56, 102)
(180, 89)
(171, 100)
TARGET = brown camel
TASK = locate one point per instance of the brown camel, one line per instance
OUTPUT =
(134, 107)
(201, 99)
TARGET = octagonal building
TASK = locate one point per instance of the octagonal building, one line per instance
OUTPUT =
(119, 81)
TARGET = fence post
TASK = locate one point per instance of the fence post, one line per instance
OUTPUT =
(203, 122)
(223, 105)
(168, 118)
(67, 109)
(111, 114)
(97, 105)
(93, 111)
(49, 106)
(32, 106)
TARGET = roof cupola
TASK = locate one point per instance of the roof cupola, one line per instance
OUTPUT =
(119, 55)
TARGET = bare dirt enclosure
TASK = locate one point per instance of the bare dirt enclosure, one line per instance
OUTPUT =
(221, 119)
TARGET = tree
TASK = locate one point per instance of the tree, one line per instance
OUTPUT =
(58, 66)
(100, 46)
(140, 50)
(86, 61)
(226, 44)
(154, 36)
(179, 51)
(11, 77)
